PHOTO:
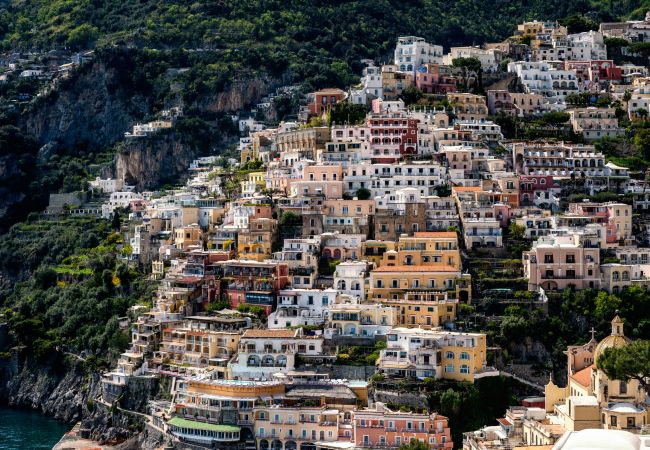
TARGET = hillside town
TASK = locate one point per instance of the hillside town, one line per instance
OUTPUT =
(332, 258)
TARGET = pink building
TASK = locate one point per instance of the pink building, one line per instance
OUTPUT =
(529, 185)
(323, 173)
(435, 79)
(383, 428)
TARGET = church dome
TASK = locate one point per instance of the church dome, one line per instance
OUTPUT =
(616, 339)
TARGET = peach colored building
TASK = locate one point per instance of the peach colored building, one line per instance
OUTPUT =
(382, 428)
(556, 262)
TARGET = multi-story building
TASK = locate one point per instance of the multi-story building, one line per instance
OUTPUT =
(350, 278)
(255, 243)
(517, 104)
(304, 141)
(616, 216)
(558, 261)
(324, 100)
(425, 176)
(381, 427)
(441, 213)
(263, 353)
(540, 78)
(404, 218)
(351, 318)
(394, 81)
(414, 352)
(300, 256)
(490, 58)
(412, 52)
(595, 123)
(252, 282)
(348, 216)
(302, 307)
(435, 79)
(393, 136)
(468, 106)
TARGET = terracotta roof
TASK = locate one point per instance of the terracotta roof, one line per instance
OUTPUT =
(466, 188)
(583, 376)
(505, 422)
(269, 333)
(441, 234)
(430, 268)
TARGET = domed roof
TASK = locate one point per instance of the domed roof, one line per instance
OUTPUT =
(615, 340)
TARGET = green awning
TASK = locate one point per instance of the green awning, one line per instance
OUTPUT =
(184, 423)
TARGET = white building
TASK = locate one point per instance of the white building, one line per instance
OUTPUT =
(412, 52)
(301, 307)
(541, 78)
(371, 86)
(351, 277)
(263, 353)
(489, 58)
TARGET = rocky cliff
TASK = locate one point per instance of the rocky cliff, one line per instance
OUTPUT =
(59, 391)
(68, 393)
(149, 162)
(89, 108)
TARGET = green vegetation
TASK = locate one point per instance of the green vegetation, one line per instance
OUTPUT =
(631, 362)
(359, 355)
(415, 445)
(346, 113)
(69, 287)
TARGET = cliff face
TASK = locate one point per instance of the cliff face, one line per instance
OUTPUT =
(149, 162)
(239, 95)
(91, 107)
(61, 393)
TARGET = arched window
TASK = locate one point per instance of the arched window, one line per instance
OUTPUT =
(449, 355)
(464, 355)
(464, 368)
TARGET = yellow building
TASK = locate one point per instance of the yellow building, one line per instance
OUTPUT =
(189, 347)
(373, 251)
(424, 262)
(590, 399)
(414, 352)
(426, 310)
(188, 236)
(468, 106)
(256, 242)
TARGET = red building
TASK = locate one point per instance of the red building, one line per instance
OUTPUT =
(394, 136)
(324, 100)
(596, 71)
(435, 79)
(252, 282)
(530, 184)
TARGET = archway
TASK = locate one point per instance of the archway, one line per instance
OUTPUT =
(264, 444)
(276, 445)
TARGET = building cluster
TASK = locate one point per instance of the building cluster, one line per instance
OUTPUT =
(322, 238)
(591, 411)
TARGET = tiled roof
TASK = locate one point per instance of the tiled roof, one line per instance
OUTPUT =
(583, 376)
(429, 268)
(466, 188)
(440, 234)
(269, 333)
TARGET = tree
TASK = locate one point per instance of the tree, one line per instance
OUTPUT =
(116, 222)
(347, 113)
(363, 194)
(642, 142)
(411, 95)
(631, 362)
(472, 64)
(414, 445)
(516, 231)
